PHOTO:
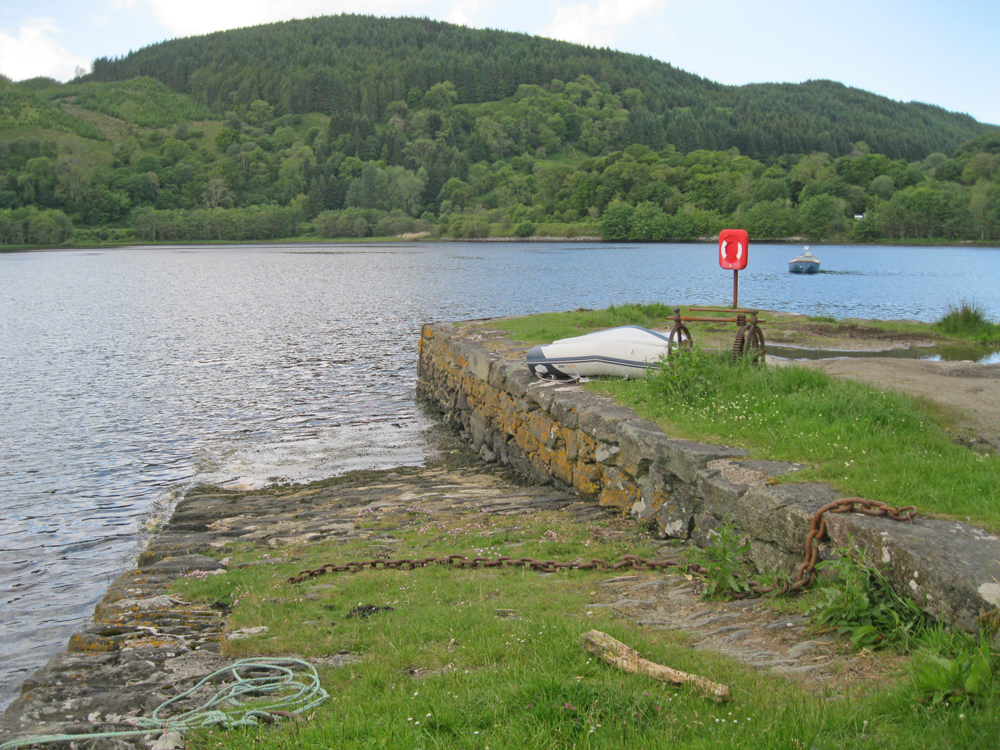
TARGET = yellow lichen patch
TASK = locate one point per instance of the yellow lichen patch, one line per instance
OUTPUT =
(87, 643)
(560, 466)
(587, 478)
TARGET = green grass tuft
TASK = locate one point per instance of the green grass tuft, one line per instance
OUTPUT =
(968, 321)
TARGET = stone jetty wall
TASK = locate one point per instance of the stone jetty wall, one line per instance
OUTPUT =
(559, 433)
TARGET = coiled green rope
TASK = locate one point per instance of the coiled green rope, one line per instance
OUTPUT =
(299, 691)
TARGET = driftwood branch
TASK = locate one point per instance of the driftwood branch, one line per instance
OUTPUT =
(617, 654)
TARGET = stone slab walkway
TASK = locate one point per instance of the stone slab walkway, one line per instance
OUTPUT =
(145, 645)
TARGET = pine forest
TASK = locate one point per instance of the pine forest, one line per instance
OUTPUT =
(354, 126)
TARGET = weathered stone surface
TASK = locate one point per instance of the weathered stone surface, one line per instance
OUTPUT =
(686, 458)
(719, 495)
(517, 380)
(522, 463)
(642, 442)
(768, 557)
(477, 359)
(600, 420)
(702, 526)
(675, 516)
(568, 402)
(183, 564)
(479, 429)
(542, 428)
(654, 489)
(161, 548)
(951, 569)
(782, 514)
(769, 468)
(554, 432)
(618, 491)
(606, 453)
(543, 392)
(587, 478)
(642, 509)
(561, 467)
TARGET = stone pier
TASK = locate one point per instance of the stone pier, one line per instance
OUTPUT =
(563, 435)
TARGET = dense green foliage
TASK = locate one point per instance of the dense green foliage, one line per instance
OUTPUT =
(21, 107)
(29, 226)
(253, 223)
(353, 67)
(140, 101)
(466, 133)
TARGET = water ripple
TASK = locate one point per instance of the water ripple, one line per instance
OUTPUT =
(129, 374)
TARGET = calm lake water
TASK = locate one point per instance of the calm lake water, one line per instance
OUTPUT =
(127, 375)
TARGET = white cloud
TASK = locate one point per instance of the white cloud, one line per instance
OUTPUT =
(192, 17)
(598, 24)
(34, 52)
(463, 13)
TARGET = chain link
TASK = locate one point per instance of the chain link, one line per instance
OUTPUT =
(803, 577)
(628, 562)
(817, 530)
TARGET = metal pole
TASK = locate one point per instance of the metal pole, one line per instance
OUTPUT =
(736, 287)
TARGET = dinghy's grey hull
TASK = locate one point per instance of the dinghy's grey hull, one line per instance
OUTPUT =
(627, 352)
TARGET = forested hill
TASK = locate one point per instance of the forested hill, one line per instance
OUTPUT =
(353, 126)
(353, 67)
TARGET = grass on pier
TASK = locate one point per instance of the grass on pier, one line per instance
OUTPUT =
(862, 441)
(493, 659)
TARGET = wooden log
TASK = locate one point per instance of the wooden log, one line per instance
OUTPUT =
(617, 654)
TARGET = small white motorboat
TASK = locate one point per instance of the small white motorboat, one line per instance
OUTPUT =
(628, 352)
(805, 263)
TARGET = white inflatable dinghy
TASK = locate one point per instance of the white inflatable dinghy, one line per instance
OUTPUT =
(625, 352)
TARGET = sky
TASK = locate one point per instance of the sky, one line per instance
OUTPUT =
(936, 52)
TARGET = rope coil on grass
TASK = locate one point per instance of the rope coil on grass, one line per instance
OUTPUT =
(301, 691)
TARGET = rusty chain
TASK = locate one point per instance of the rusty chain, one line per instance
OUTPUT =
(804, 575)
(817, 530)
(628, 562)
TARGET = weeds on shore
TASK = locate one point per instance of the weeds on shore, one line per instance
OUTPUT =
(862, 606)
(854, 599)
(968, 321)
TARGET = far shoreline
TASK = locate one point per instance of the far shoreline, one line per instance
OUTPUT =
(307, 241)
